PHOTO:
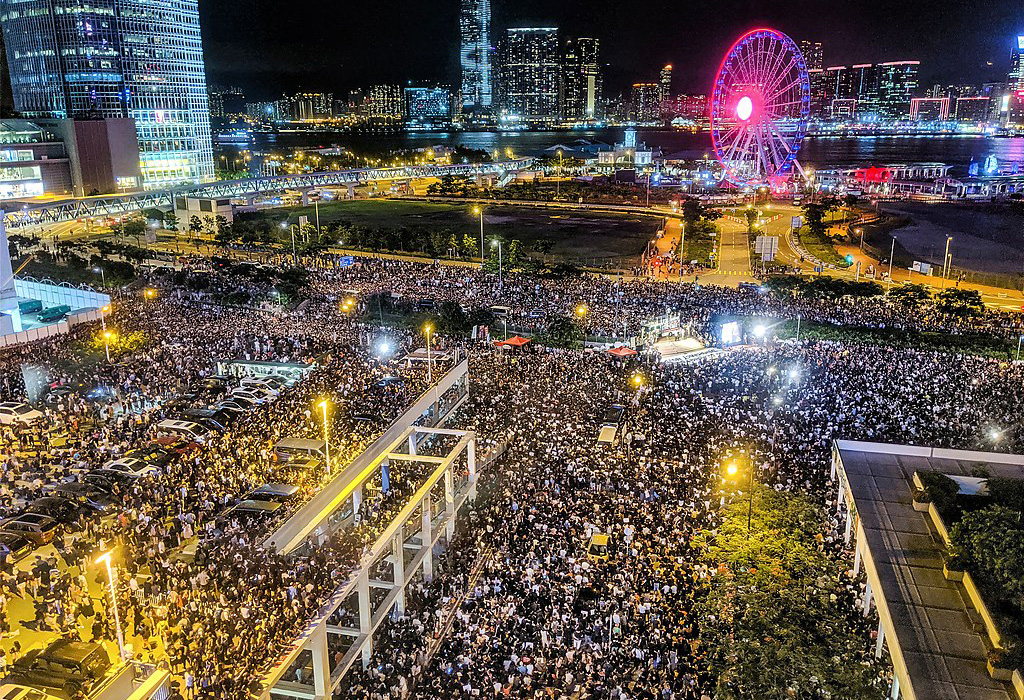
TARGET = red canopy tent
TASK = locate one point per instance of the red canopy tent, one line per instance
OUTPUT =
(515, 341)
(622, 351)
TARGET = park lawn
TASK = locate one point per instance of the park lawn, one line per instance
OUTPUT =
(582, 237)
(822, 248)
(698, 248)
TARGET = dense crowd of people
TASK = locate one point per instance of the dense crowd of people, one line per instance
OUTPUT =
(520, 605)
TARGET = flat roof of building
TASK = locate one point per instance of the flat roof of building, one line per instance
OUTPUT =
(938, 644)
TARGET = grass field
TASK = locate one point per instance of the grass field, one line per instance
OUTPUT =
(584, 237)
(821, 247)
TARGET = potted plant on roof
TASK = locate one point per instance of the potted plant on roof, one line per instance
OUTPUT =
(953, 567)
(999, 665)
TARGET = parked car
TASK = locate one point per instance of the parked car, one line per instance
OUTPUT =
(152, 454)
(12, 412)
(40, 529)
(132, 467)
(279, 493)
(188, 430)
(61, 509)
(17, 547)
(97, 477)
(13, 691)
(253, 395)
(88, 496)
(69, 666)
(231, 407)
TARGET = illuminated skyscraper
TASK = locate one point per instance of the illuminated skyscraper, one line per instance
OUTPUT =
(665, 83)
(814, 57)
(475, 53)
(117, 58)
(645, 105)
(581, 80)
(530, 76)
(1016, 81)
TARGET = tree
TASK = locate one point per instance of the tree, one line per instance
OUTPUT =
(752, 215)
(960, 302)
(560, 332)
(171, 221)
(135, 228)
(694, 209)
(470, 246)
(815, 213)
(910, 295)
(452, 319)
(770, 619)
(195, 225)
(220, 221)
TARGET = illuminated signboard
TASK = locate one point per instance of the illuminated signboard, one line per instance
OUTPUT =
(1020, 43)
(731, 333)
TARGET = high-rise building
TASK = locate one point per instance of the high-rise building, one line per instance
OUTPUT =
(645, 105)
(475, 53)
(972, 110)
(117, 58)
(819, 92)
(688, 106)
(385, 102)
(225, 102)
(530, 76)
(309, 106)
(580, 95)
(814, 57)
(897, 83)
(665, 83)
(427, 107)
(1016, 77)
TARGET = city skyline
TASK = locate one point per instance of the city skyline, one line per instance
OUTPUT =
(421, 43)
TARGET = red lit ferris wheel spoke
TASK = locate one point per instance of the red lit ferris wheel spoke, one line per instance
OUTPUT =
(773, 70)
(771, 92)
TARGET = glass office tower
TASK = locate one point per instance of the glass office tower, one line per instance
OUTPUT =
(117, 58)
(475, 53)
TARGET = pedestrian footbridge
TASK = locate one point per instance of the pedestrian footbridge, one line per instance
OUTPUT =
(342, 632)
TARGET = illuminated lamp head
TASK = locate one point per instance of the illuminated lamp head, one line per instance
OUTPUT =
(744, 108)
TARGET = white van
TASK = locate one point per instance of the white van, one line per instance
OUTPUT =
(185, 428)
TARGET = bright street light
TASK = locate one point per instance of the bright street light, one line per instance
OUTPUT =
(760, 331)
(427, 330)
(327, 443)
(105, 559)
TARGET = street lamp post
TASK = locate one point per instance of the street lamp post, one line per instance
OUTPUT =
(732, 469)
(861, 232)
(105, 559)
(558, 181)
(892, 253)
(581, 312)
(327, 441)
(103, 316)
(106, 343)
(480, 212)
(295, 257)
(103, 274)
(427, 329)
(945, 262)
(497, 242)
(1019, 339)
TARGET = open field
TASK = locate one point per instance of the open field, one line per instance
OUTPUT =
(985, 238)
(579, 236)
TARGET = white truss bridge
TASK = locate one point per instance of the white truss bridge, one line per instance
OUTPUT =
(117, 205)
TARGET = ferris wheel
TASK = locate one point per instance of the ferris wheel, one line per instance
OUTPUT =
(760, 102)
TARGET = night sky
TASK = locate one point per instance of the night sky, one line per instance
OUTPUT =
(268, 47)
